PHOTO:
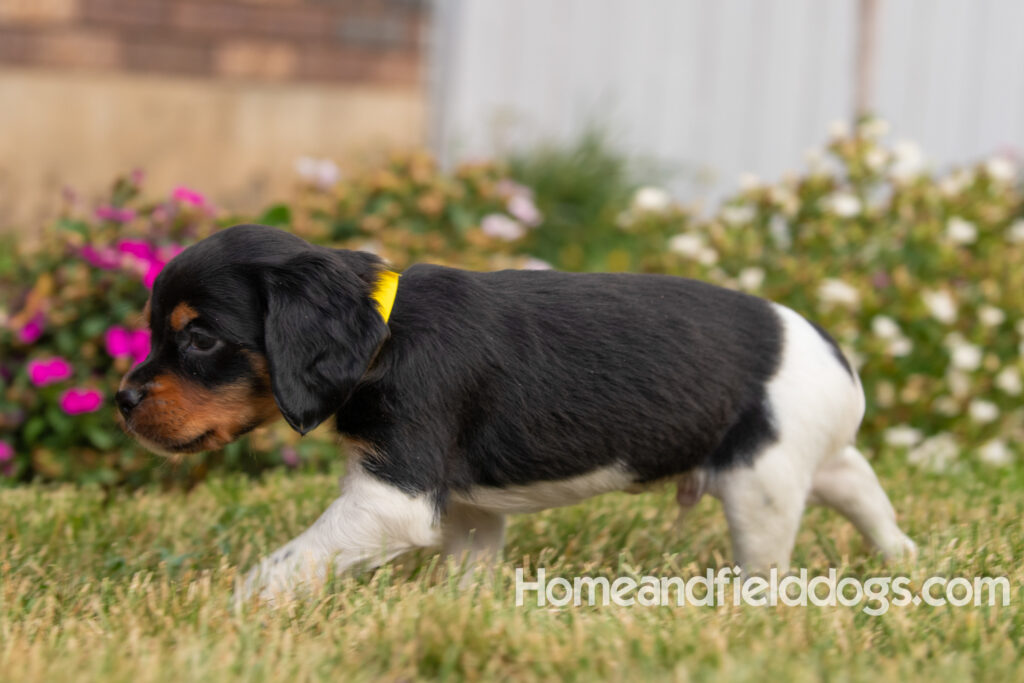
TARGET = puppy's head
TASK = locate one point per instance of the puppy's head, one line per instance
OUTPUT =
(248, 325)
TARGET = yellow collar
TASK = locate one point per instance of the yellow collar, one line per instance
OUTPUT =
(385, 291)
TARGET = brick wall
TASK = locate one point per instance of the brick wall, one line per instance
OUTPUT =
(375, 42)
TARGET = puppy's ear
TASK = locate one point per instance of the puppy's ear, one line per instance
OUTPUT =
(321, 332)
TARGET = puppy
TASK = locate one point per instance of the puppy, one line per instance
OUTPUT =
(465, 397)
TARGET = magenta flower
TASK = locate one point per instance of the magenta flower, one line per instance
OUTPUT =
(48, 371)
(151, 272)
(137, 248)
(115, 214)
(77, 401)
(188, 196)
(32, 330)
(124, 343)
(103, 258)
(6, 452)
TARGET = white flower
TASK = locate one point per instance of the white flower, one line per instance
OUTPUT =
(752, 278)
(946, 405)
(955, 182)
(323, 173)
(1001, 169)
(935, 453)
(784, 198)
(748, 181)
(960, 231)
(995, 453)
(1015, 233)
(843, 204)
(707, 257)
(903, 436)
(522, 207)
(990, 316)
(652, 200)
(874, 128)
(778, 228)
(885, 327)
(839, 129)
(536, 264)
(908, 161)
(1009, 381)
(834, 291)
(686, 244)
(982, 411)
(875, 158)
(959, 382)
(502, 227)
(941, 305)
(738, 214)
(885, 393)
(900, 348)
(964, 355)
(817, 163)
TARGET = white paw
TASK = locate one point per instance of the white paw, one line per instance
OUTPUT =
(900, 549)
(292, 569)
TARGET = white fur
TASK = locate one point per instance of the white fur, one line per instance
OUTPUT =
(817, 407)
(369, 523)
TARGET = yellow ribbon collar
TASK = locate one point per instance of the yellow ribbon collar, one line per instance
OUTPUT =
(384, 292)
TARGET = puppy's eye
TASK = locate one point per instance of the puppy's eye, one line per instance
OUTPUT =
(202, 342)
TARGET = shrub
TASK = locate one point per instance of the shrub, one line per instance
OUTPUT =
(919, 276)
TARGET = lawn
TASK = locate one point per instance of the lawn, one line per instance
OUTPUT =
(137, 587)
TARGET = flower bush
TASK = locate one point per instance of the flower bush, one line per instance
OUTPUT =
(918, 275)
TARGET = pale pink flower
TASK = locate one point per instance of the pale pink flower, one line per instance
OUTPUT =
(115, 214)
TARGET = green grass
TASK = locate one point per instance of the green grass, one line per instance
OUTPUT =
(136, 587)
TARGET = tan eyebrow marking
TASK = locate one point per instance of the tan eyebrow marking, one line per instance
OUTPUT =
(146, 311)
(181, 315)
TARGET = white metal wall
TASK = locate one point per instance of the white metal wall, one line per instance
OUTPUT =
(715, 88)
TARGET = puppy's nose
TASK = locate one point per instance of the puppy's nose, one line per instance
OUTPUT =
(127, 399)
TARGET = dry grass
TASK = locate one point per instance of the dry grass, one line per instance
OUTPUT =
(137, 588)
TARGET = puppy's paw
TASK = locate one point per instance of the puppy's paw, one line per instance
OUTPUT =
(900, 549)
(286, 573)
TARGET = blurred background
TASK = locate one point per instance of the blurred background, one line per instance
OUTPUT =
(227, 94)
(858, 160)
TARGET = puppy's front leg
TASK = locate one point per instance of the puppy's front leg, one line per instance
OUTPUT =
(369, 523)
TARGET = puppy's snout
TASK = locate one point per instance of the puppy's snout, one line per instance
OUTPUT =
(127, 399)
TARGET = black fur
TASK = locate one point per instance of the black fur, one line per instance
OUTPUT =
(497, 378)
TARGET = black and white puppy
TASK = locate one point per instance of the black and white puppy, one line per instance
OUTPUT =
(468, 396)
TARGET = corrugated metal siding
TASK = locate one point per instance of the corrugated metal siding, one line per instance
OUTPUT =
(715, 88)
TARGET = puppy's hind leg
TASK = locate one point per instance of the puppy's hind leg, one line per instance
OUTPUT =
(763, 505)
(690, 488)
(847, 484)
(472, 537)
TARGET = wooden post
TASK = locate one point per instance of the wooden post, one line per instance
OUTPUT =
(864, 57)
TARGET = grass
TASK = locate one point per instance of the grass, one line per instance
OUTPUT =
(136, 587)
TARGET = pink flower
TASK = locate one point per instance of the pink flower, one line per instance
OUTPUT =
(122, 343)
(48, 371)
(502, 227)
(32, 330)
(290, 456)
(138, 248)
(115, 214)
(77, 401)
(6, 452)
(104, 258)
(187, 196)
(151, 272)
(522, 207)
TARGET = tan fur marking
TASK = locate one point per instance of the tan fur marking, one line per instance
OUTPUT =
(182, 315)
(177, 411)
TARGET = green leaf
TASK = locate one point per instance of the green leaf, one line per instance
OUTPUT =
(278, 216)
